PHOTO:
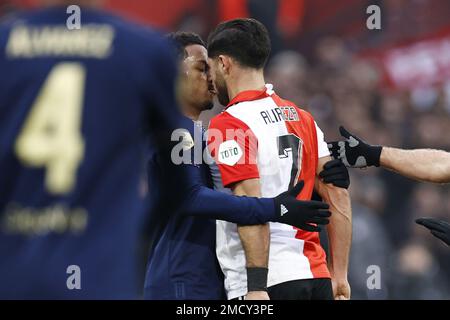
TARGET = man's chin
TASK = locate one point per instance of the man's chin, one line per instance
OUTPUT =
(205, 106)
(208, 106)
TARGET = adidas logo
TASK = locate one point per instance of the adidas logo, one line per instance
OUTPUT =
(283, 210)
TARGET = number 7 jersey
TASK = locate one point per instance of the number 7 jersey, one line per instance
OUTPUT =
(260, 135)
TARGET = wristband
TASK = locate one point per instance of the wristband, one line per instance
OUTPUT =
(257, 279)
(374, 154)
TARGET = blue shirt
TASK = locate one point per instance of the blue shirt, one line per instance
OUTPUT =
(77, 108)
(183, 263)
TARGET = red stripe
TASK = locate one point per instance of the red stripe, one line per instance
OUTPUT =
(305, 128)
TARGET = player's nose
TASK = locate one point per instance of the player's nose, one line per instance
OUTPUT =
(211, 87)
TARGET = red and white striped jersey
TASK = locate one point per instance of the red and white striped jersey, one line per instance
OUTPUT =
(260, 135)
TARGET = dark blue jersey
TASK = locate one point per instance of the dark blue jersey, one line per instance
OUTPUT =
(77, 108)
(182, 263)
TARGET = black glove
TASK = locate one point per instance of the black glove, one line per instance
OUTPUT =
(354, 152)
(440, 229)
(298, 213)
(336, 173)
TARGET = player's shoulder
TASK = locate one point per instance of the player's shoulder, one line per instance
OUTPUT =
(147, 42)
(226, 120)
(145, 37)
(244, 104)
(124, 29)
(281, 102)
(220, 119)
(304, 114)
(4, 30)
(141, 45)
(8, 21)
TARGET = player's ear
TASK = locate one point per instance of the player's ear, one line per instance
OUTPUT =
(224, 64)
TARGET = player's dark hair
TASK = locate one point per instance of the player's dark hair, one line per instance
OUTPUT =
(245, 40)
(182, 39)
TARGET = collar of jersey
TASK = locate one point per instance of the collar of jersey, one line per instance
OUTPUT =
(251, 95)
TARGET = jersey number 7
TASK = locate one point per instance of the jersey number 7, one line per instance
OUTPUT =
(290, 143)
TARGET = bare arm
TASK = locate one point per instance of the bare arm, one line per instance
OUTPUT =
(339, 232)
(420, 164)
(255, 239)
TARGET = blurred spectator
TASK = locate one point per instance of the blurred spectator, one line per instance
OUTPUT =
(370, 244)
(417, 275)
(288, 71)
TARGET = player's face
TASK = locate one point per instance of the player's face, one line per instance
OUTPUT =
(198, 87)
(219, 81)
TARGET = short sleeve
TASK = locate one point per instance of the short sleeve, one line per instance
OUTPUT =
(322, 146)
(234, 147)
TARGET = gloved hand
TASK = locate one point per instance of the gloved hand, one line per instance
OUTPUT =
(440, 229)
(336, 173)
(354, 152)
(298, 213)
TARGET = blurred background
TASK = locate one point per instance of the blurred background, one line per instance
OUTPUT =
(390, 86)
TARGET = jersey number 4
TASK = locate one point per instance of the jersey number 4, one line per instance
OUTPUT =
(51, 136)
(290, 143)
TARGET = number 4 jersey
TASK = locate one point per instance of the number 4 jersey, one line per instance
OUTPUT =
(260, 135)
(77, 108)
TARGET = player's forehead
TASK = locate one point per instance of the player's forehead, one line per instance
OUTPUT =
(196, 52)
